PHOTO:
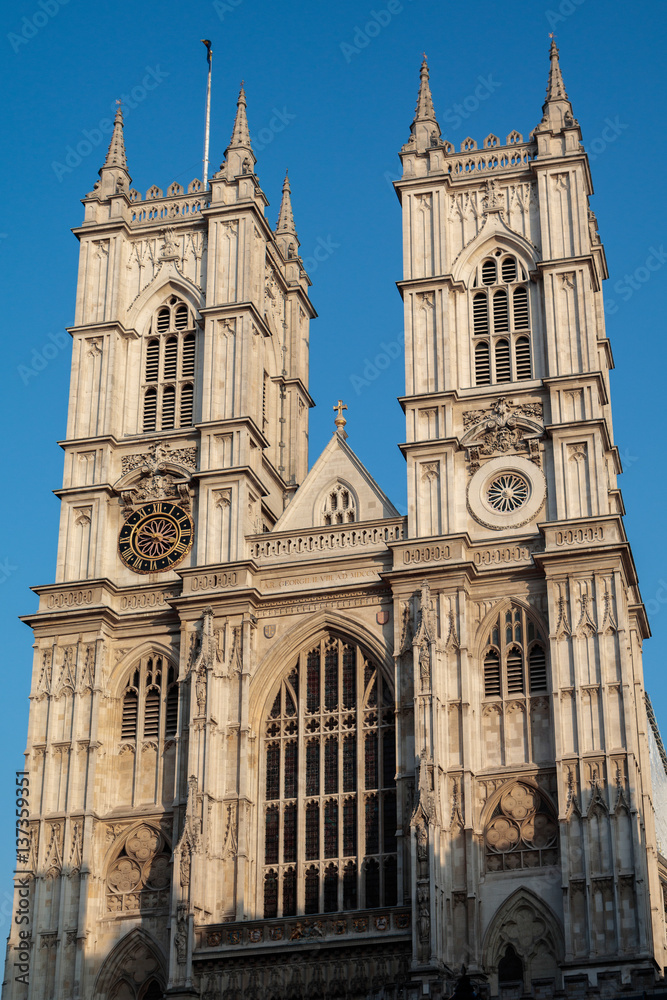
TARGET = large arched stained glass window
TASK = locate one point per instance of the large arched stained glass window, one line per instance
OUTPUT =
(329, 814)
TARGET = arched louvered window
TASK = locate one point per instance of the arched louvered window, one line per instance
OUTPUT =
(329, 771)
(522, 355)
(503, 370)
(501, 320)
(482, 364)
(169, 369)
(150, 701)
(514, 659)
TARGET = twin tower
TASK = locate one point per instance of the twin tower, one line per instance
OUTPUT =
(284, 742)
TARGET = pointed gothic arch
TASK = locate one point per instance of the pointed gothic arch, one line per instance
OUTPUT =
(161, 288)
(498, 609)
(494, 234)
(129, 971)
(290, 645)
(327, 766)
(524, 927)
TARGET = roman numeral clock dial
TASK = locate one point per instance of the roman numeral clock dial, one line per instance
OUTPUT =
(156, 537)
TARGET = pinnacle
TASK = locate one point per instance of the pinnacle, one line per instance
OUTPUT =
(555, 86)
(424, 111)
(240, 133)
(116, 153)
(285, 217)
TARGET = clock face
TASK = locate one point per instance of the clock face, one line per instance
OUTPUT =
(155, 537)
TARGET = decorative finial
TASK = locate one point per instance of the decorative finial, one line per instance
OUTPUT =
(340, 420)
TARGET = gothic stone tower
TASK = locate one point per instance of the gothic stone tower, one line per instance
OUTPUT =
(284, 742)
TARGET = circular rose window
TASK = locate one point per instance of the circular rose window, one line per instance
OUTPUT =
(507, 492)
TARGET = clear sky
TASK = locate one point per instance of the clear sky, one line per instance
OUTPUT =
(331, 90)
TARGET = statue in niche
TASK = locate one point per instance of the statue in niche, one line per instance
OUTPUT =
(421, 831)
(424, 919)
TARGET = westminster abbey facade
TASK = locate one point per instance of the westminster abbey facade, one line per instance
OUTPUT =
(283, 742)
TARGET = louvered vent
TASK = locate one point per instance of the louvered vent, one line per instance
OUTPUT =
(152, 714)
(130, 712)
(150, 409)
(170, 356)
(188, 361)
(489, 272)
(480, 312)
(503, 373)
(186, 405)
(508, 269)
(168, 407)
(482, 367)
(537, 669)
(152, 360)
(520, 309)
(523, 358)
(500, 312)
(163, 321)
(171, 720)
(492, 674)
(515, 671)
(181, 320)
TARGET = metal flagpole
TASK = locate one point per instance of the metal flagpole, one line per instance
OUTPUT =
(208, 111)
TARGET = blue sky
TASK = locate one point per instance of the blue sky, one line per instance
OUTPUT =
(332, 99)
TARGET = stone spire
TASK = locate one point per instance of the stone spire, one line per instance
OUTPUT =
(114, 178)
(239, 155)
(240, 132)
(285, 224)
(557, 110)
(425, 126)
(116, 154)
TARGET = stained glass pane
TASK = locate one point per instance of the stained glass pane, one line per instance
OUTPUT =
(312, 891)
(390, 882)
(372, 698)
(273, 771)
(312, 831)
(331, 830)
(387, 697)
(290, 707)
(313, 768)
(313, 681)
(389, 821)
(290, 770)
(331, 889)
(372, 884)
(271, 837)
(371, 760)
(275, 711)
(289, 893)
(349, 677)
(350, 886)
(388, 758)
(289, 833)
(350, 763)
(331, 676)
(372, 825)
(349, 827)
(331, 765)
(270, 895)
